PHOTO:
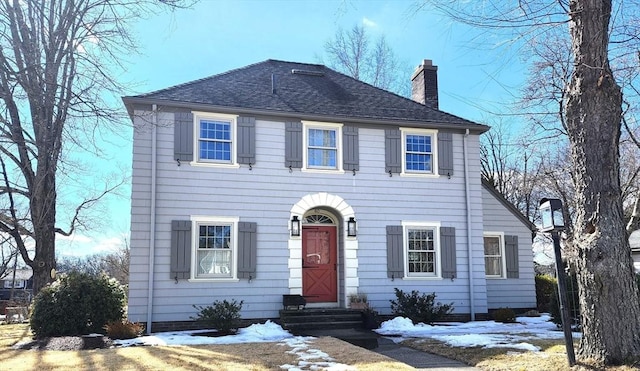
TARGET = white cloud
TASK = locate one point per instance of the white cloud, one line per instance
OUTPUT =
(369, 23)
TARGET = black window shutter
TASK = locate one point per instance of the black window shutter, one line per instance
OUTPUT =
(350, 149)
(293, 145)
(180, 249)
(393, 151)
(247, 242)
(511, 256)
(183, 136)
(448, 251)
(395, 255)
(246, 140)
(445, 153)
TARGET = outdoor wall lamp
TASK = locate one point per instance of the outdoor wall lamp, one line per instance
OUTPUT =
(551, 212)
(295, 226)
(351, 227)
(553, 222)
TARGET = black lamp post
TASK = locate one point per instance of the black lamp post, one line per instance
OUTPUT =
(553, 222)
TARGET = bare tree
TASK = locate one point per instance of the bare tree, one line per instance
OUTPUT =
(590, 111)
(374, 62)
(55, 71)
(114, 264)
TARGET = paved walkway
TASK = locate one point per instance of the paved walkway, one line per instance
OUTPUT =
(418, 359)
(412, 357)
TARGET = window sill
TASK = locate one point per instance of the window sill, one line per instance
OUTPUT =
(420, 175)
(495, 278)
(213, 164)
(322, 171)
(213, 280)
(422, 278)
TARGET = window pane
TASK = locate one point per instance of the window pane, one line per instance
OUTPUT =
(418, 154)
(421, 251)
(215, 140)
(214, 262)
(215, 130)
(322, 138)
(322, 157)
(492, 246)
(493, 266)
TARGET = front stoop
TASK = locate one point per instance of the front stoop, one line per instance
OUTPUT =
(343, 324)
(299, 321)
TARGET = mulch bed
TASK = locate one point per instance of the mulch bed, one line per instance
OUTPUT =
(67, 343)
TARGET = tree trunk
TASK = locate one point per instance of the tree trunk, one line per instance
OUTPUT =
(43, 216)
(609, 298)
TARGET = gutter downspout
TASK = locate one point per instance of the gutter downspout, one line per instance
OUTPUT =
(468, 200)
(152, 223)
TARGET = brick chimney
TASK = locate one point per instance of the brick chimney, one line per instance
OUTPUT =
(424, 84)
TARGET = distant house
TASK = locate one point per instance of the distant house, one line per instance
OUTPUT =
(20, 283)
(284, 178)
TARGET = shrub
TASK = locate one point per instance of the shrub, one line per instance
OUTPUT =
(546, 287)
(77, 304)
(573, 301)
(124, 329)
(224, 315)
(504, 315)
(419, 308)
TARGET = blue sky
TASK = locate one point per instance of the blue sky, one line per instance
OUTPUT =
(218, 35)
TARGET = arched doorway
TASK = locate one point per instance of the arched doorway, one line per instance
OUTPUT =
(319, 257)
(319, 206)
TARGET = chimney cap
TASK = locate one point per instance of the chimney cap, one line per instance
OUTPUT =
(427, 62)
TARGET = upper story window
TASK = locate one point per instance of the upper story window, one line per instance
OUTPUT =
(422, 250)
(418, 151)
(215, 138)
(323, 142)
(214, 247)
(494, 262)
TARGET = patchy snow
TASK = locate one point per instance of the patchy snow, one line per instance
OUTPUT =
(487, 334)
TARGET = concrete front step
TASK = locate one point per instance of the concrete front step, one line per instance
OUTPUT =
(299, 321)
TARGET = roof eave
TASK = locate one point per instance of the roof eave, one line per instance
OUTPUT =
(133, 100)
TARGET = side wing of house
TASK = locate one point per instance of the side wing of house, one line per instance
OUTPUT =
(508, 254)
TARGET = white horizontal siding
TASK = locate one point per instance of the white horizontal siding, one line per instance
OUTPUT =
(266, 194)
(512, 292)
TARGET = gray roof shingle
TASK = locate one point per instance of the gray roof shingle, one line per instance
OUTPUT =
(315, 90)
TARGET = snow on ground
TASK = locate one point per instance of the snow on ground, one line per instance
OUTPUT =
(487, 334)
(308, 358)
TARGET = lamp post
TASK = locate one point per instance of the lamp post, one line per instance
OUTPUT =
(553, 222)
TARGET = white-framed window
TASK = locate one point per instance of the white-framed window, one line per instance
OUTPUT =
(421, 249)
(494, 262)
(8, 284)
(322, 146)
(215, 137)
(419, 152)
(215, 241)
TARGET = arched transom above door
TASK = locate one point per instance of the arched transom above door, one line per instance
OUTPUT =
(322, 199)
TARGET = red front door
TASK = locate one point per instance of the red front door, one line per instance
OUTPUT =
(319, 265)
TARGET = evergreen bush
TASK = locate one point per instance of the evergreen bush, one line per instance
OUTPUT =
(504, 315)
(419, 307)
(77, 304)
(546, 287)
(224, 315)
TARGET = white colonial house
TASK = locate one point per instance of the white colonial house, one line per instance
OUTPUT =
(284, 178)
